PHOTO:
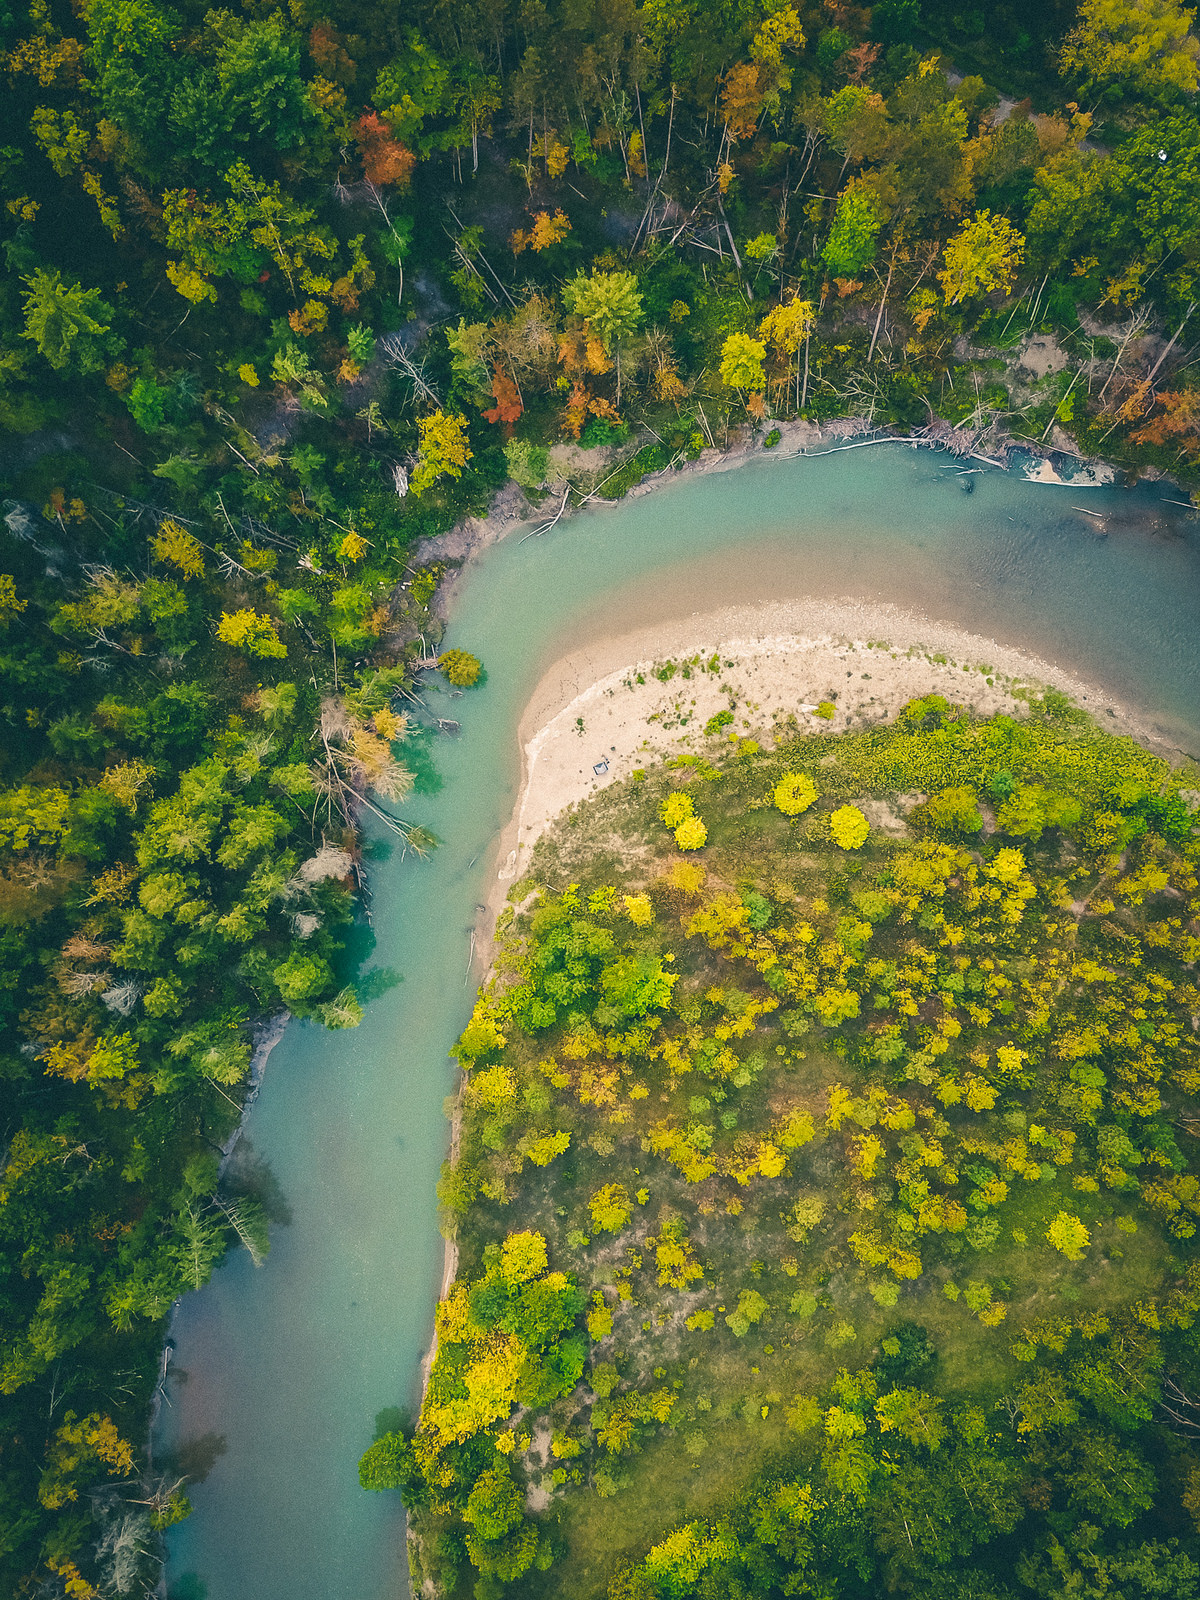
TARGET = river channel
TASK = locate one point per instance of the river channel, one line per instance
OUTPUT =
(279, 1371)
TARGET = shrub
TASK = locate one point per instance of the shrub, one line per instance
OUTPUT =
(601, 433)
(794, 793)
(952, 811)
(826, 710)
(848, 828)
(638, 909)
(676, 808)
(461, 668)
(527, 463)
(691, 834)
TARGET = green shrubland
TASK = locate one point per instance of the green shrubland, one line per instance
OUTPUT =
(826, 1205)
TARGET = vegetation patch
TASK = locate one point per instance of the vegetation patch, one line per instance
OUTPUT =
(852, 1180)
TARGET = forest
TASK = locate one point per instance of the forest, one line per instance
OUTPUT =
(285, 293)
(824, 1184)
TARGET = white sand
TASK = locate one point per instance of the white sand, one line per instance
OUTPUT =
(776, 661)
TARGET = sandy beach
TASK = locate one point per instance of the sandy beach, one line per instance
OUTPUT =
(631, 701)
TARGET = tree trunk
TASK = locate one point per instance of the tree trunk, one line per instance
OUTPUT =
(882, 303)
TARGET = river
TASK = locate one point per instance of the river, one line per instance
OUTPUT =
(279, 1371)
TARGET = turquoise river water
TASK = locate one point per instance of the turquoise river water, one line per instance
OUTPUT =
(279, 1371)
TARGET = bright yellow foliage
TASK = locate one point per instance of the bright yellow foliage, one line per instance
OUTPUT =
(248, 631)
(1069, 1236)
(848, 828)
(676, 808)
(1143, 45)
(610, 1208)
(742, 362)
(638, 909)
(11, 605)
(794, 793)
(982, 256)
(543, 1151)
(353, 547)
(691, 834)
(787, 326)
(443, 451)
(174, 544)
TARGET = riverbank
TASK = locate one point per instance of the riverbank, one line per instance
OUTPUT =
(632, 700)
(510, 511)
(351, 1125)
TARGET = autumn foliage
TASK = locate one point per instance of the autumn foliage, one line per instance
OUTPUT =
(385, 159)
(547, 230)
(508, 408)
(1176, 421)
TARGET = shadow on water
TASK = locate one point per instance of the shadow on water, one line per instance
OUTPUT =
(187, 1586)
(195, 1458)
(249, 1174)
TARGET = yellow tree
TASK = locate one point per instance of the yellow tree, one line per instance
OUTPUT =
(173, 543)
(1143, 46)
(11, 604)
(443, 451)
(742, 359)
(787, 327)
(246, 630)
(983, 255)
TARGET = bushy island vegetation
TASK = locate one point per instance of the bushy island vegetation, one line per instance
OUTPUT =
(825, 1184)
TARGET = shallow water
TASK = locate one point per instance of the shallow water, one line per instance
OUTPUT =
(279, 1372)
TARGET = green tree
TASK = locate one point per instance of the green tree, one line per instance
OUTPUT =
(413, 88)
(250, 91)
(301, 977)
(391, 1464)
(68, 323)
(495, 1504)
(610, 302)
(851, 243)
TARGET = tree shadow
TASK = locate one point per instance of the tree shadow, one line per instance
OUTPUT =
(188, 1586)
(249, 1175)
(393, 1419)
(196, 1457)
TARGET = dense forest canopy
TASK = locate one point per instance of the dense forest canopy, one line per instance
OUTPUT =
(285, 292)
